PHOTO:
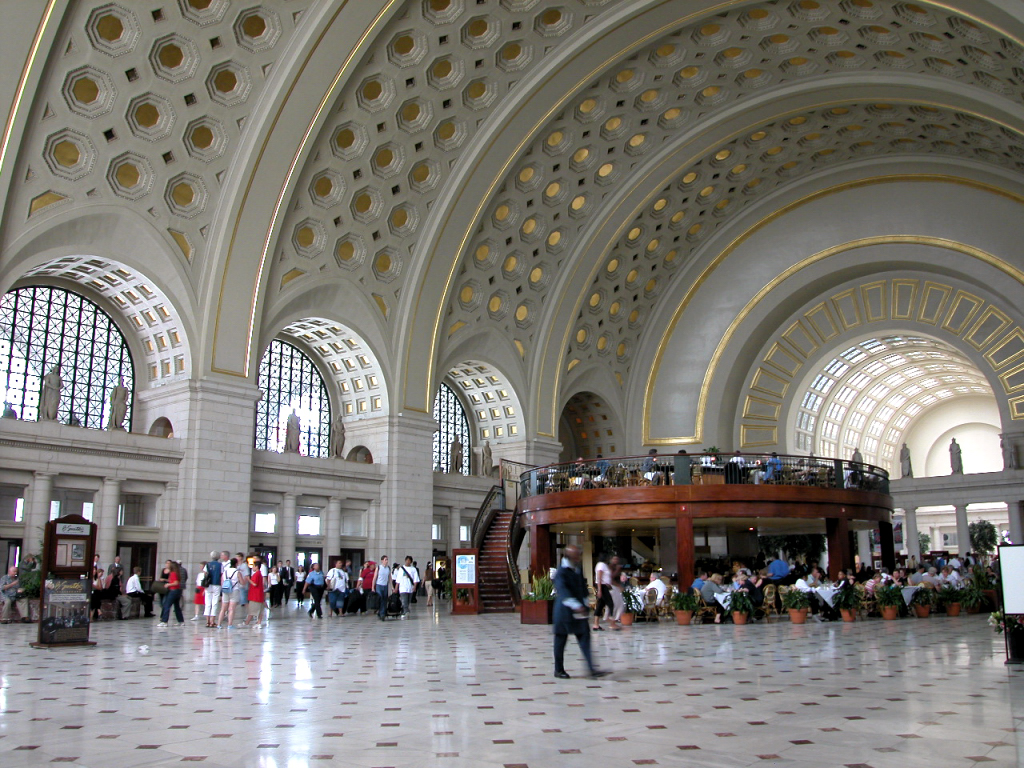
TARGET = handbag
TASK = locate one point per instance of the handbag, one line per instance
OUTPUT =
(372, 601)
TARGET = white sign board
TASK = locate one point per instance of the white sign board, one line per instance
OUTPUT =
(73, 529)
(465, 569)
(1011, 565)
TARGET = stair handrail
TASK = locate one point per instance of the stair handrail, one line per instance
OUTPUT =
(512, 556)
(510, 473)
(485, 514)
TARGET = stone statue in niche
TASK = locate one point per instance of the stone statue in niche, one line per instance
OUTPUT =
(486, 460)
(9, 412)
(337, 444)
(455, 456)
(906, 469)
(1009, 454)
(956, 460)
(291, 433)
(118, 406)
(50, 399)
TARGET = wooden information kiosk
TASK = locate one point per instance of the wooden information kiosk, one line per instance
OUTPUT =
(464, 582)
(68, 546)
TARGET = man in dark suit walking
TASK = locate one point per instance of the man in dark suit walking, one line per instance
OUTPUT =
(571, 612)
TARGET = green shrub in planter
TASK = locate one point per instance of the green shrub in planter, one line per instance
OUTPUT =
(684, 600)
(795, 600)
(949, 594)
(971, 596)
(925, 596)
(543, 589)
(741, 602)
(631, 602)
(30, 583)
(848, 599)
(888, 596)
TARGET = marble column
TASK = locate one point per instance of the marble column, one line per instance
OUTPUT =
(864, 547)
(332, 531)
(454, 521)
(37, 513)
(106, 520)
(963, 533)
(1015, 512)
(685, 554)
(910, 533)
(286, 529)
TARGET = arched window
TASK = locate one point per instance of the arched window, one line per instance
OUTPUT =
(453, 424)
(42, 327)
(290, 381)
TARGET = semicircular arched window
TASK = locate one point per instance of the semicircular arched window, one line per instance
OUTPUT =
(451, 418)
(42, 327)
(290, 382)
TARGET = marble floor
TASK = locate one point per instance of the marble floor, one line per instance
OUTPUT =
(438, 690)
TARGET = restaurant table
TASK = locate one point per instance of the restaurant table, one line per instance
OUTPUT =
(827, 594)
(908, 593)
(724, 598)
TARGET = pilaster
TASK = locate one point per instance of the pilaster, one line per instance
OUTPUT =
(286, 529)
(910, 533)
(963, 531)
(106, 519)
(332, 530)
(37, 512)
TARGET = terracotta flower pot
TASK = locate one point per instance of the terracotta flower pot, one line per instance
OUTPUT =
(953, 609)
(627, 619)
(974, 609)
(798, 615)
(922, 611)
(738, 617)
(848, 614)
(683, 618)
(890, 612)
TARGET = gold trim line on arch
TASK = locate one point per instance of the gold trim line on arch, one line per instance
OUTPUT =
(709, 375)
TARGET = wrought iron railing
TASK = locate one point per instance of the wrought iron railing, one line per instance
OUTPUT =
(703, 469)
(493, 501)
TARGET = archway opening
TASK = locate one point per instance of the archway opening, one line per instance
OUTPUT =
(588, 427)
(884, 391)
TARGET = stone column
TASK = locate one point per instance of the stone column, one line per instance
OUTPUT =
(286, 530)
(215, 476)
(332, 530)
(837, 534)
(106, 520)
(401, 525)
(864, 547)
(1015, 512)
(910, 534)
(454, 521)
(37, 513)
(963, 533)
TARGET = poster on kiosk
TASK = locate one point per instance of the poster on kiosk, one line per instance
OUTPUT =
(68, 546)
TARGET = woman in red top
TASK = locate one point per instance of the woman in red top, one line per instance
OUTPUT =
(257, 594)
(173, 596)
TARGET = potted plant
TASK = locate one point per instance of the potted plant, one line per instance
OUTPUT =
(985, 583)
(1013, 626)
(971, 597)
(797, 603)
(539, 603)
(741, 606)
(889, 598)
(949, 597)
(684, 603)
(848, 600)
(31, 583)
(632, 605)
(923, 601)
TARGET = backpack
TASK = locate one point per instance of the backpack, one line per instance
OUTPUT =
(229, 581)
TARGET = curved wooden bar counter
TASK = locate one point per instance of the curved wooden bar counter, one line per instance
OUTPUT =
(739, 504)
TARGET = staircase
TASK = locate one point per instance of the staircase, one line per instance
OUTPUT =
(494, 587)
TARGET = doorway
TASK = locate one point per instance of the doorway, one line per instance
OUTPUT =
(10, 552)
(141, 554)
(306, 557)
(268, 554)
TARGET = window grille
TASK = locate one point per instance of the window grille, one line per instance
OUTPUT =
(290, 381)
(42, 326)
(451, 417)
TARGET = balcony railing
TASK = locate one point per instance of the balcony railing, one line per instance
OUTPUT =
(703, 469)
